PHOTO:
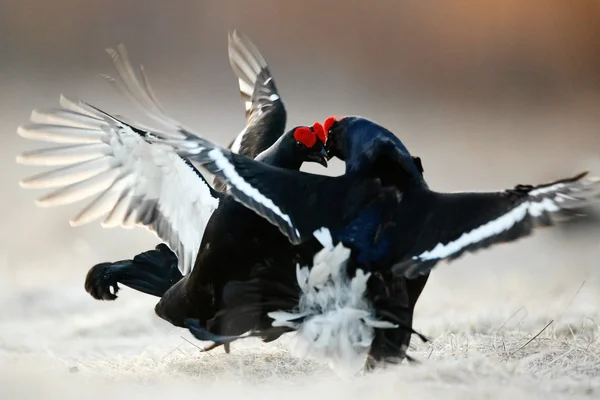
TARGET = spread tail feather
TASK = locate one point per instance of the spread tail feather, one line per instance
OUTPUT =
(333, 320)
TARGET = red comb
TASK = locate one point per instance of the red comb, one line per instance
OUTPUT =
(320, 132)
(305, 136)
(329, 123)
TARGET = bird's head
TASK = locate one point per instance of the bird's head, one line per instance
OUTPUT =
(356, 141)
(297, 146)
(352, 136)
(306, 144)
(335, 129)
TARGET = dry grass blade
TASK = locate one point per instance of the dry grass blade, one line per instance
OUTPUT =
(531, 340)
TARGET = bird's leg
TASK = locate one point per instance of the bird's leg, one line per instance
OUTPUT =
(370, 364)
(102, 279)
(152, 272)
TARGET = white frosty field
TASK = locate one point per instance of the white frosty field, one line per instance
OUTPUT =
(57, 342)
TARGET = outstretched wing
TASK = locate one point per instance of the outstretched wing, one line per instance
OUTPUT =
(134, 182)
(265, 112)
(298, 203)
(455, 223)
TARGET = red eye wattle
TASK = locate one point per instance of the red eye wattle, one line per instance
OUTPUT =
(329, 123)
(305, 136)
(320, 132)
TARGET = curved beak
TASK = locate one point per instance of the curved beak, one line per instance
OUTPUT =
(321, 157)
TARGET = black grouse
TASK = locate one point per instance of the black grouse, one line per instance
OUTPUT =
(381, 209)
(104, 152)
(155, 271)
(149, 192)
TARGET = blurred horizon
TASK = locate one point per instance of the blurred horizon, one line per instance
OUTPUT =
(458, 48)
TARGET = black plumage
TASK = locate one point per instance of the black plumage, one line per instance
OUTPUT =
(265, 124)
(265, 112)
(396, 228)
(231, 226)
(399, 239)
(235, 239)
(158, 268)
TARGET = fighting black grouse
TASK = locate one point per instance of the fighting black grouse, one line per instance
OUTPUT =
(409, 229)
(155, 271)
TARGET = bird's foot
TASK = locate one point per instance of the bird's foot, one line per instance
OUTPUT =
(101, 282)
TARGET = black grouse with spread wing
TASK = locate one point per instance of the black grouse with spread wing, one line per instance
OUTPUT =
(382, 209)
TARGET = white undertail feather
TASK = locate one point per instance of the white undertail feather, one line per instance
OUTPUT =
(323, 235)
(132, 181)
(338, 323)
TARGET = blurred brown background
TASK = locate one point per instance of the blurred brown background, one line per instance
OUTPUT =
(488, 93)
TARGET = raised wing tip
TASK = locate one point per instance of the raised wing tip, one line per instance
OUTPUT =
(62, 100)
(43, 203)
(120, 48)
(246, 45)
(243, 39)
(107, 224)
(67, 102)
(22, 129)
(75, 223)
(233, 41)
(25, 183)
(237, 40)
(22, 159)
(35, 114)
(236, 35)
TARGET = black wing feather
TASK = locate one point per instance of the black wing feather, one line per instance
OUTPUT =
(264, 109)
(298, 203)
(455, 223)
(265, 113)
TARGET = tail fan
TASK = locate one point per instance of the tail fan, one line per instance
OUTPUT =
(333, 321)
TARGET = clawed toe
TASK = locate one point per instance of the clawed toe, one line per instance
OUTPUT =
(99, 284)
